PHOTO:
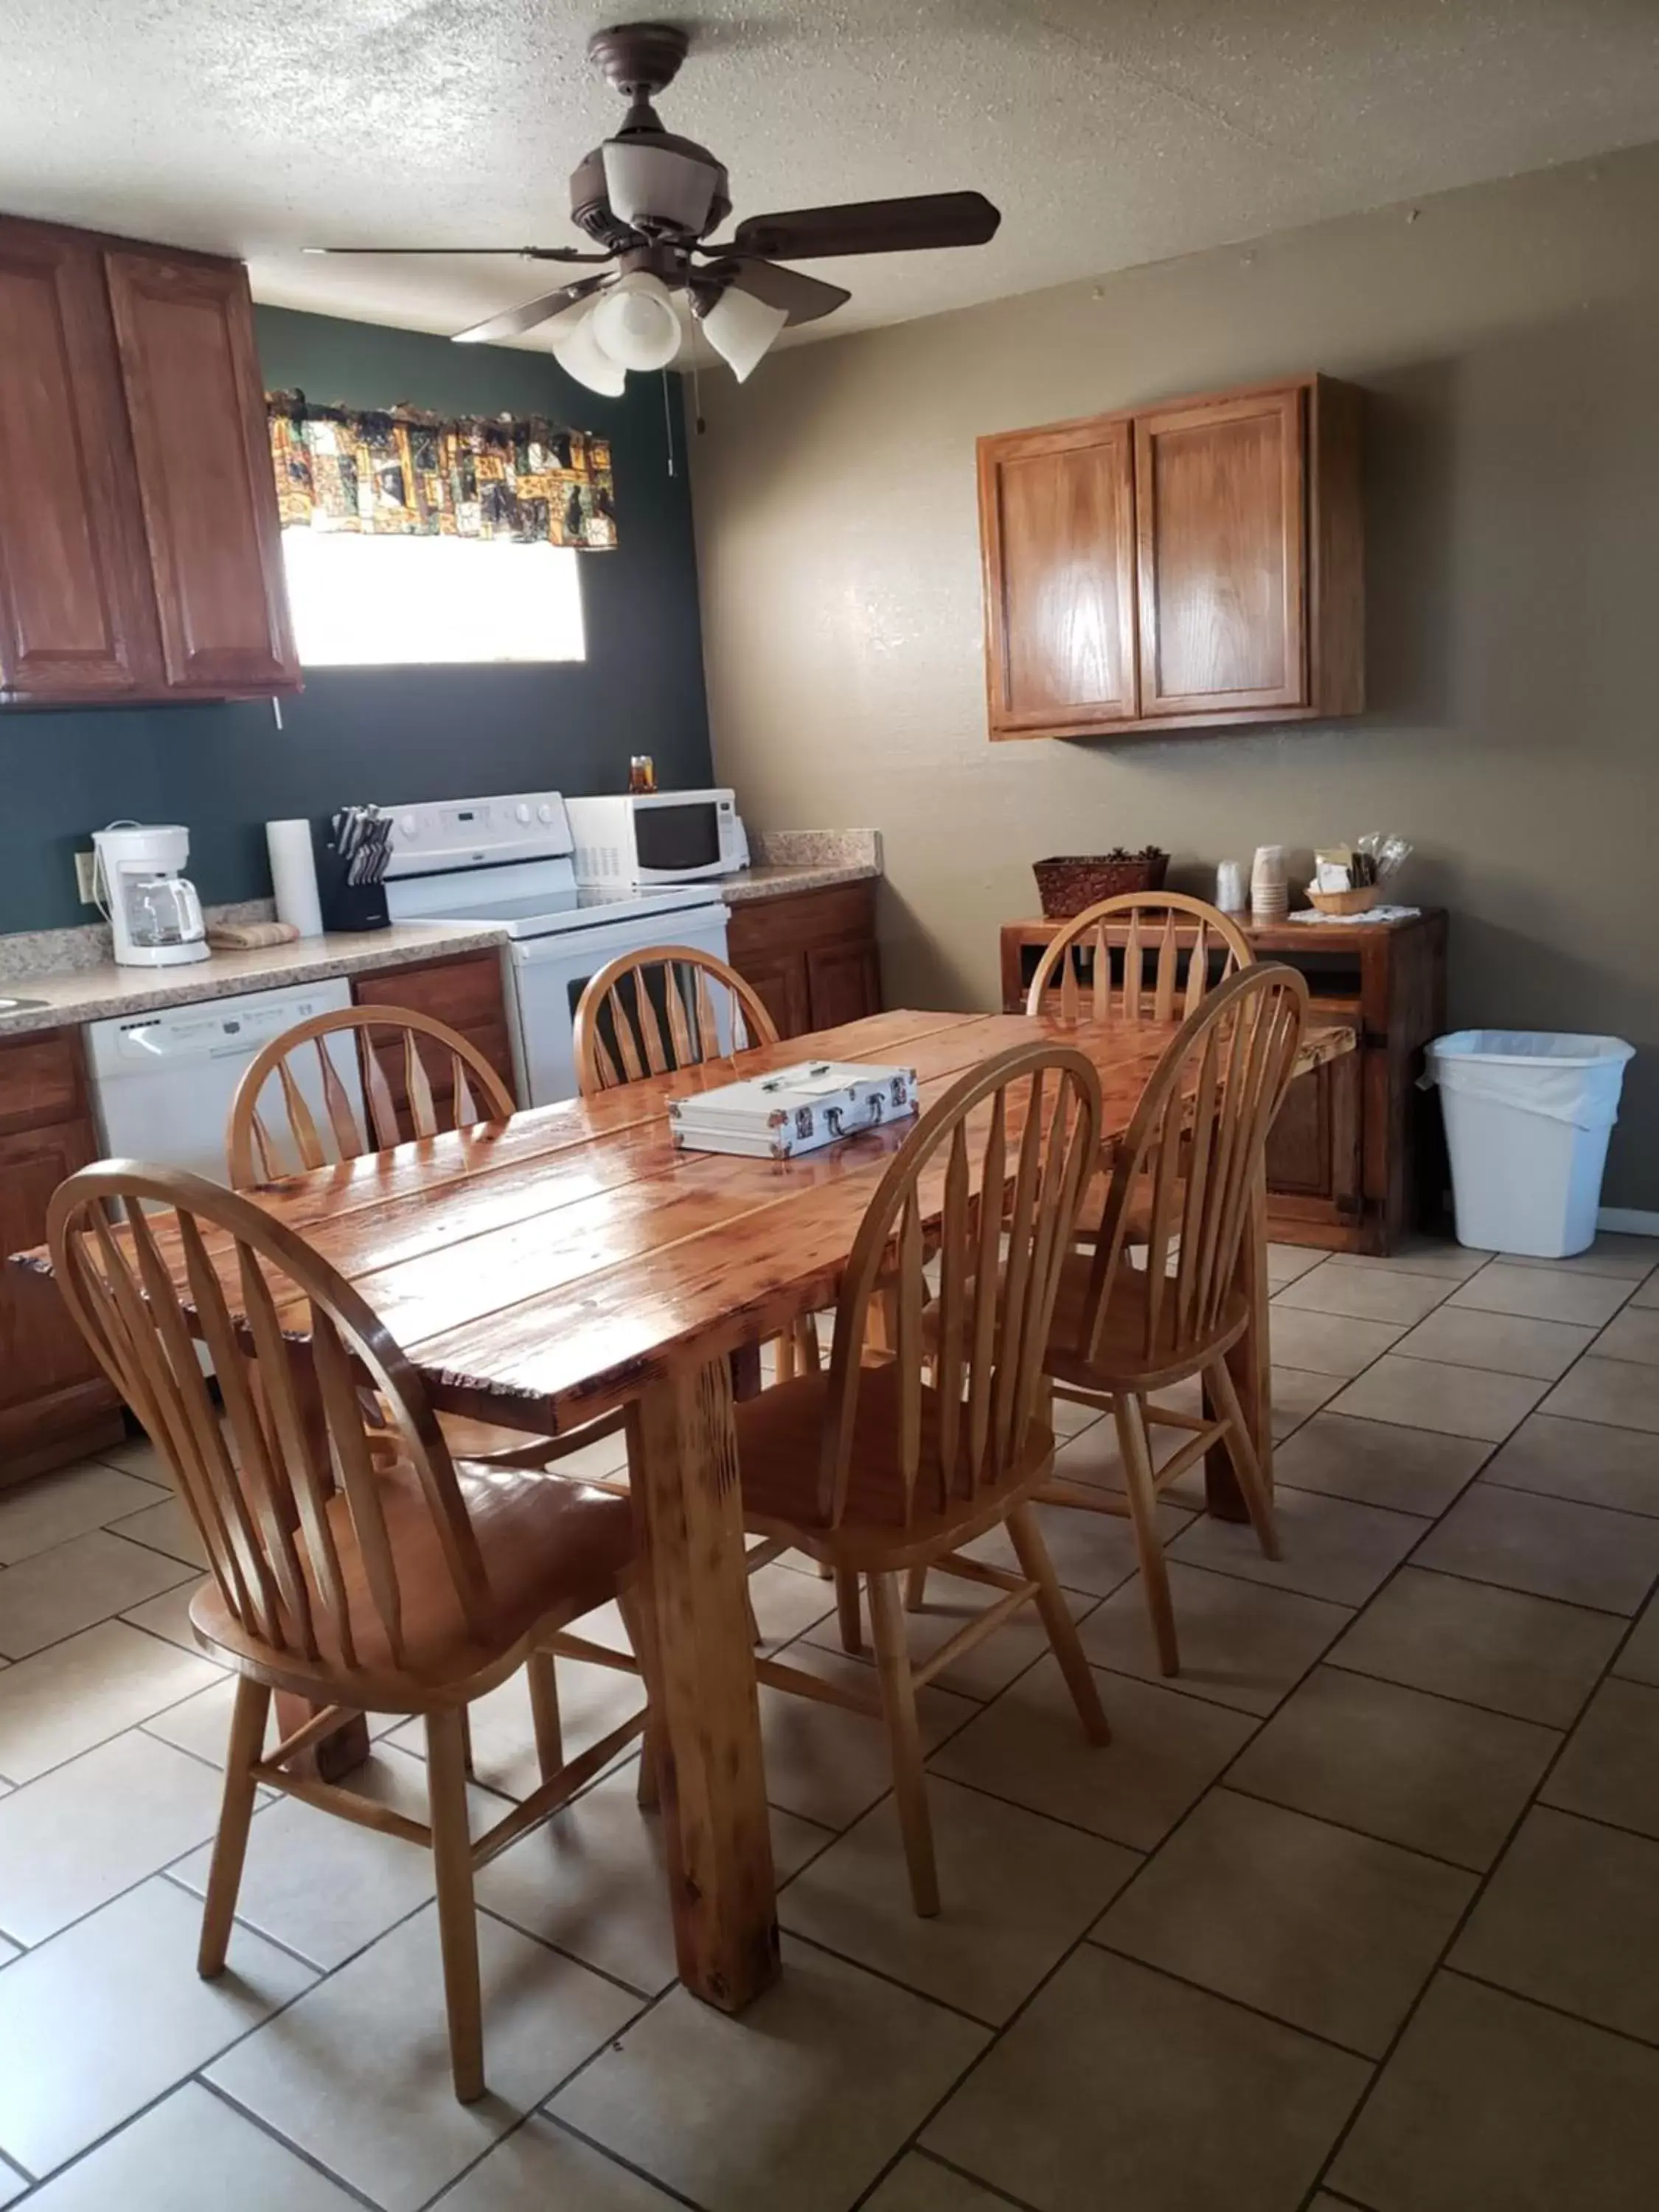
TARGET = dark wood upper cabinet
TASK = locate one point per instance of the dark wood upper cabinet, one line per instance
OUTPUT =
(77, 618)
(1191, 564)
(184, 330)
(140, 551)
(1057, 511)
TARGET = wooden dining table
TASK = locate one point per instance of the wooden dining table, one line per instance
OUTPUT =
(543, 1271)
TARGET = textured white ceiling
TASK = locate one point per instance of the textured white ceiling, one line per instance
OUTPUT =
(1110, 132)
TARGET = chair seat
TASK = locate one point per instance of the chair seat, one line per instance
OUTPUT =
(1124, 1360)
(549, 1549)
(779, 1447)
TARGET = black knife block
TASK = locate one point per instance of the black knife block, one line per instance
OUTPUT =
(344, 905)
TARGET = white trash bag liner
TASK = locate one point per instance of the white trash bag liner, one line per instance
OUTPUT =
(1528, 1116)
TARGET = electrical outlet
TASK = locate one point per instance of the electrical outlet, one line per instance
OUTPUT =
(83, 878)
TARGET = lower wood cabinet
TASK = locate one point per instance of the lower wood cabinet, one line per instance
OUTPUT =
(55, 1404)
(810, 955)
(1355, 1159)
(465, 993)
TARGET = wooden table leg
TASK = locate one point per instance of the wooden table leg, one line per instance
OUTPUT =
(701, 1670)
(336, 1755)
(1250, 1365)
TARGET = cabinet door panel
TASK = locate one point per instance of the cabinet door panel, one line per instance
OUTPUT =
(1057, 523)
(843, 983)
(76, 615)
(781, 977)
(1219, 502)
(194, 397)
(1313, 1152)
(42, 1353)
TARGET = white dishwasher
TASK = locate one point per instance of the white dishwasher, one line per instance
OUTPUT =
(163, 1082)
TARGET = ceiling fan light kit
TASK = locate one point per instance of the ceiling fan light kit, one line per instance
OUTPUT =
(740, 328)
(634, 321)
(648, 199)
(580, 354)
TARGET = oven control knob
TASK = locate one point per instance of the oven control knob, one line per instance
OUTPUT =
(521, 812)
(544, 812)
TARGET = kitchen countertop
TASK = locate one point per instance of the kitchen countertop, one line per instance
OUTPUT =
(83, 993)
(778, 881)
(92, 994)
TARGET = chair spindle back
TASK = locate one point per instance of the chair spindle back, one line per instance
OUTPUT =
(290, 1342)
(1166, 927)
(257, 1154)
(665, 1007)
(1005, 1154)
(1183, 1178)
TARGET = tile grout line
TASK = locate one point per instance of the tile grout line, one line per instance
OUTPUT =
(1470, 1908)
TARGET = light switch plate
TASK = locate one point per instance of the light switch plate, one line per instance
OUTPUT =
(83, 878)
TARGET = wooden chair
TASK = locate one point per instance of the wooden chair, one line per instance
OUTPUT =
(474, 1092)
(875, 1470)
(275, 1132)
(1184, 1184)
(1165, 926)
(412, 1589)
(665, 1007)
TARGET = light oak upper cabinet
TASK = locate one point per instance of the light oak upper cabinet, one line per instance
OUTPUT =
(1057, 522)
(1200, 563)
(139, 541)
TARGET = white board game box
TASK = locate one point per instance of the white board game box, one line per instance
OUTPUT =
(798, 1109)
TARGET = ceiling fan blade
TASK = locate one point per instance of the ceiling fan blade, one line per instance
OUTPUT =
(519, 252)
(803, 298)
(903, 226)
(517, 320)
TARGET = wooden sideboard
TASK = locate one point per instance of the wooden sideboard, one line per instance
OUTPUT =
(1356, 1160)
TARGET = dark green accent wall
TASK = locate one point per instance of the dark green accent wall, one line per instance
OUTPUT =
(391, 734)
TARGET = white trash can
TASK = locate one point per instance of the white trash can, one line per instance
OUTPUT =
(1527, 1116)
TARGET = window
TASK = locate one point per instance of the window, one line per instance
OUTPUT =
(361, 601)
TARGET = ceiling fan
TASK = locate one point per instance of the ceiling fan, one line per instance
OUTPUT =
(648, 198)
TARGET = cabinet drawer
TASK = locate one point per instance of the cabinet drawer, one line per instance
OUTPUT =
(801, 919)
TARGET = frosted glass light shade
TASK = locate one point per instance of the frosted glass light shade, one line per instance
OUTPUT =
(580, 354)
(741, 328)
(657, 184)
(634, 322)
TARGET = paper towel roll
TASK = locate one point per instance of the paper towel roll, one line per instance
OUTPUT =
(293, 876)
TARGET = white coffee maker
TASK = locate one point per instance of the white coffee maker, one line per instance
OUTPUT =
(151, 908)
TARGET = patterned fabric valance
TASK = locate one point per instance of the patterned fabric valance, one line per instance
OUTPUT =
(405, 475)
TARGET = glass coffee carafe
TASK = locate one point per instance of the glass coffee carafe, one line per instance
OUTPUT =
(162, 910)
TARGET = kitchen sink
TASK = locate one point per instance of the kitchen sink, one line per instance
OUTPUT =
(19, 1005)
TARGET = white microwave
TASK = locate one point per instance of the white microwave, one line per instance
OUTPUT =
(657, 836)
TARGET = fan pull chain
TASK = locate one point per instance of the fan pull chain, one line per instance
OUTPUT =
(668, 420)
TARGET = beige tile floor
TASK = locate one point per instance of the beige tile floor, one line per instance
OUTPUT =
(1359, 1912)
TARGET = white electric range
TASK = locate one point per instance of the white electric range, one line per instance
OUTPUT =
(505, 861)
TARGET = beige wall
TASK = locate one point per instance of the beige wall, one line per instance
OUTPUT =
(1509, 336)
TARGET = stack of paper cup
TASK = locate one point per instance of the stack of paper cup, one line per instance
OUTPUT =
(1269, 889)
(1230, 887)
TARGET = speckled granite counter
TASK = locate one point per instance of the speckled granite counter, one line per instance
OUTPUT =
(70, 974)
(92, 994)
(788, 860)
